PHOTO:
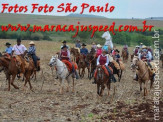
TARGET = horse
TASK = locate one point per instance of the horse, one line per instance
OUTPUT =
(102, 80)
(143, 73)
(76, 53)
(62, 73)
(124, 55)
(82, 65)
(117, 71)
(91, 60)
(12, 69)
(132, 56)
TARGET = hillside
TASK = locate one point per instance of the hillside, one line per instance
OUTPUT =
(7, 18)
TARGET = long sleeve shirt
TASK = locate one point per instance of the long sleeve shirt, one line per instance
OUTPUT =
(32, 50)
(84, 51)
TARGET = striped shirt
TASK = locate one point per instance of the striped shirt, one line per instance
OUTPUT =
(32, 50)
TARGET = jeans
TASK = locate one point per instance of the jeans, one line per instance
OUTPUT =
(34, 57)
(112, 78)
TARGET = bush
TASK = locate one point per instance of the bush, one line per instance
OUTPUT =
(37, 36)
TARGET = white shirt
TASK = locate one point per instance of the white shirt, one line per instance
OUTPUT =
(19, 49)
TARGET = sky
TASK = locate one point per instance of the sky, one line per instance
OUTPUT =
(123, 8)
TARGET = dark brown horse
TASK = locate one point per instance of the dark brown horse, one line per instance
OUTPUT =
(116, 71)
(91, 59)
(81, 66)
(132, 56)
(124, 55)
(102, 80)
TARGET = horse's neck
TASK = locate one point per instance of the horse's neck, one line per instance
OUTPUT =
(5, 62)
(141, 65)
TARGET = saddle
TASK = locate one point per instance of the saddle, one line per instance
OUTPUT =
(105, 71)
(70, 65)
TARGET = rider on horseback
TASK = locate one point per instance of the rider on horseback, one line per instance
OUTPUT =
(65, 57)
(8, 49)
(32, 53)
(126, 49)
(117, 56)
(99, 50)
(19, 51)
(104, 61)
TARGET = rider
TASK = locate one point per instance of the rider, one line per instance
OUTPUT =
(65, 55)
(99, 50)
(117, 56)
(78, 45)
(20, 50)
(8, 49)
(83, 50)
(65, 44)
(32, 52)
(104, 60)
(136, 50)
(94, 46)
(141, 45)
(126, 48)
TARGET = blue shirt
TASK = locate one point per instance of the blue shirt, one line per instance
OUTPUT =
(32, 50)
(9, 50)
(78, 45)
(84, 51)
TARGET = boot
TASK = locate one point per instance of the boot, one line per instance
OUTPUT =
(76, 74)
(136, 78)
(94, 82)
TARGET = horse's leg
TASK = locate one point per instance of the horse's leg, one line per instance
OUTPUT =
(12, 81)
(108, 86)
(73, 85)
(98, 89)
(140, 85)
(145, 88)
(62, 86)
(102, 89)
(68, 83)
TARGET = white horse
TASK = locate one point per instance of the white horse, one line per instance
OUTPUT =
(62, 73)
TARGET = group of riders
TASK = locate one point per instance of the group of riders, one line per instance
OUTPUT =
(20, 50)
(144, 53)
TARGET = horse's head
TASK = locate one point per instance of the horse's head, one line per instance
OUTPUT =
(134, 62)
(53, 61)
(100, 73)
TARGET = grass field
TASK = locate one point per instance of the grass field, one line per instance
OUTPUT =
(125, 102)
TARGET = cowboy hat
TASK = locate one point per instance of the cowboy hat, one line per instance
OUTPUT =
(84, 44)
(31, 43)
(117, 50)
(64, 47)
(99, 45)
(141, 43)
(8, 43)
(144, 46)
(64, 41)
(18, 40)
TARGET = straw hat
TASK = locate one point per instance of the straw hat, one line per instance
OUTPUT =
(144, 46)
(99, 45)
(31, 43)
(141, 43)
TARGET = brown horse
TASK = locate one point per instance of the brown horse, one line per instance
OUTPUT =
(124, 55)
(75, 52)
(91, 60)
(82, 65)
(132, 56)
(102, 80)
(143, 73)
(12, 69)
